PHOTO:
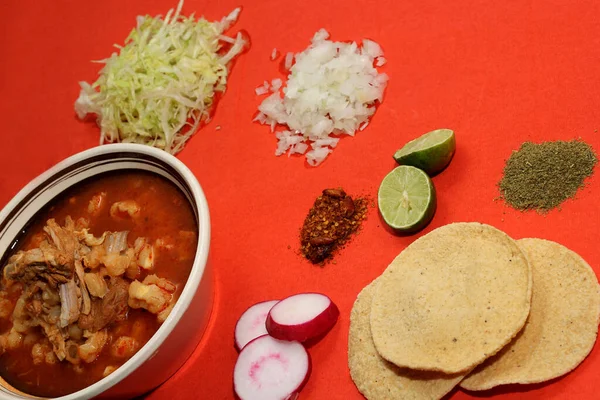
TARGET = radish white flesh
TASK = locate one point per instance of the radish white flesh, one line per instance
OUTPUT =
(252, 323)
(270, 369)
(301, 317)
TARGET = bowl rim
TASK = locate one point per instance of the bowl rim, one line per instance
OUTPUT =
(193, 281)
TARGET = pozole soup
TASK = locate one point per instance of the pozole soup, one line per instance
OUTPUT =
(91, 279)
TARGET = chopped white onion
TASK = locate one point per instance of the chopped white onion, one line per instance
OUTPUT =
(371, 48)
(276, 84)
(260, 91)
(289, 59)
(331, 89)
(316, 156)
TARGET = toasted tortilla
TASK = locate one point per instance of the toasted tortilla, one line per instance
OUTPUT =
(451, 299)
(376, 378)
(562, 325)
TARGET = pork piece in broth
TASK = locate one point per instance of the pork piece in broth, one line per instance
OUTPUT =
(81, 297)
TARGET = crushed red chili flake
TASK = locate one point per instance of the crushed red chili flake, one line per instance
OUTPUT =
(332, 219)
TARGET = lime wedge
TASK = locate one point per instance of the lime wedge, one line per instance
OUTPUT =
(406, 199)
(431, 152)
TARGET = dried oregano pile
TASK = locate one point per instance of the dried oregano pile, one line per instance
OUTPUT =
(542, 176)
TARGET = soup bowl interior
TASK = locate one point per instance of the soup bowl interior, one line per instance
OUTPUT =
(179, 334)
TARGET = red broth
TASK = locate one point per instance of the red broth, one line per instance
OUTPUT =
(165, 214)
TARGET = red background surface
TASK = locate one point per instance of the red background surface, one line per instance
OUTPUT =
(498, 73)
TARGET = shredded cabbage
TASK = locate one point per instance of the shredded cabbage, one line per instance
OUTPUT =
(161, 84)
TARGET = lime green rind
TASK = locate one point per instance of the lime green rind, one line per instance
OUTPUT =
(431, 152)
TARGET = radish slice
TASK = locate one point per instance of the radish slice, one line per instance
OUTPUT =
(252, 323)
(270, 369)
(301, 317)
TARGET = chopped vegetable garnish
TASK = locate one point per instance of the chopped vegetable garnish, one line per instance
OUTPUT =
(161, 85)
(332, 89)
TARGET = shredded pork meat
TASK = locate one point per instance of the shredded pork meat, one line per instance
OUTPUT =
(112, 307)
(73, 286)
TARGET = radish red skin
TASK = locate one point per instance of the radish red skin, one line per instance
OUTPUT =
(290, 394)
(304, 330)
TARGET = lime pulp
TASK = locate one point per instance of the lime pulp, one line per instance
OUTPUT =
(407, 199)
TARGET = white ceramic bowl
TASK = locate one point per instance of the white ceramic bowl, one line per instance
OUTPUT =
(179, 335)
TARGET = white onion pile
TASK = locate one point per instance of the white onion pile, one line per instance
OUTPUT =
(331, 90)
